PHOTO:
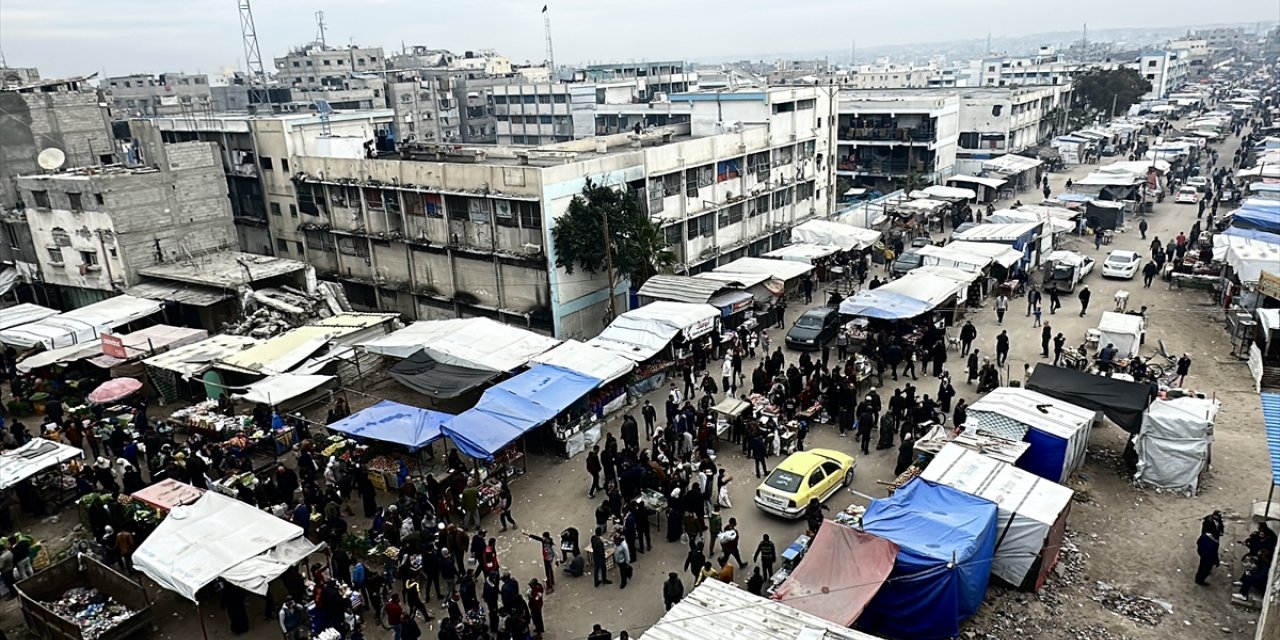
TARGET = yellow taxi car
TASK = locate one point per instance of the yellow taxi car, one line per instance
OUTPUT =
(804, 475)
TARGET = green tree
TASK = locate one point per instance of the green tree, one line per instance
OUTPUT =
(635, 244)
(1097, 90)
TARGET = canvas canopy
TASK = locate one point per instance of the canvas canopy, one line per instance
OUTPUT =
(803, 253)
(594, 362)
(291, 348)
(933, 284)
(1255, 213)
(168, 494)
(1122, 330)
(1032, 511)
(432, 378)
(1008, 232)
(513, 407)
(781, 269)
(641, 333)
(282, 387)
(839, 574)
(396, 423)
(478, 343)
(60, 355)
(194, 359)
(681, 288)
(31, 458)
(1011, 164)
(1121, 401)
(80, 325)
(1174, 443)
(1250, 260)
(834, 234)
(200, 542)
(949, 193)
(151, 340)
(946, 541)
(993, 183)
(715, 611)
(1057, 431)
(25, 313)
(885, 305)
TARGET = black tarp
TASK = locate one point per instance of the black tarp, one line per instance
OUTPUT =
(1103, 216)
(1121, 401)
(424, 374)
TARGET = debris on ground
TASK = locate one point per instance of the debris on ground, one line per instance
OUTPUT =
(1141, 609)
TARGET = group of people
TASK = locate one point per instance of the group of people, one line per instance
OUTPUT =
(1260, 547)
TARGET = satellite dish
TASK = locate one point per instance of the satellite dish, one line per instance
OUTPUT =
(51, 159)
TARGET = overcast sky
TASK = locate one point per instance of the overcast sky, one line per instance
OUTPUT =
(69, 37)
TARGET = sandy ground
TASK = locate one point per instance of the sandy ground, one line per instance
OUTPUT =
(1139, 541)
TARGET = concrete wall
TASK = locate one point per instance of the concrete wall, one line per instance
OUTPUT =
(72, 121)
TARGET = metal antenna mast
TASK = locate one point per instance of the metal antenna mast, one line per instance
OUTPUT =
(551, 56)
(320, 28)
(253, 55)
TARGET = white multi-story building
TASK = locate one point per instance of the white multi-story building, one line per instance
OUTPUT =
(1166, 70)
(449, 230)
(887, 138)
(995, 121)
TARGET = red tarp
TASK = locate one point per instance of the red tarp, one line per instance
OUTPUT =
(168, 494)
(840, 574)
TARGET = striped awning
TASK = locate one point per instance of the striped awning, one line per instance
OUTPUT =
(1271, 422)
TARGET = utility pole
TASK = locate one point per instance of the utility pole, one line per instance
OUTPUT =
(608, 265)
(253, 55)
(320, 28)
(551, 56)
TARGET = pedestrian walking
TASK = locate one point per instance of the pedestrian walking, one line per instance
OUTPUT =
(766, 554)
(728, 540)
(505, 504)
(1085, 294)
(1055, 302)
(395, 615)
(536, 601)
(672, 590)
(650, 414)
(1148, 274)
(1142, 228)
(1046, 334)
(1184, 366)
(594, 467)
(1002, 347)
(1059, 342)
(1037, 314)
(1033, 300)
(1207, 549)
(968, 333)
(622, 558)
(1002, 305)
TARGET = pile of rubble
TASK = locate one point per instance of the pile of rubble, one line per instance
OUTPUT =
(1067, 573)
(270, 311)
(1140, 609)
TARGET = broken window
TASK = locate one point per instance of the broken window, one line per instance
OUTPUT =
(319, 239)
(730, 215)
(758, 162)
(60, 237)
(350, 246)
(373, 199)
(275, 208)
(282, 245)
(75, 202)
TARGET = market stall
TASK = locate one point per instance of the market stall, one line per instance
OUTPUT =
(840, 574)
(80, 325)
(1124, 330)
(609, 367)
(478, 343)
(788, 272)
(834, 234)
(810, 254)
(167, 495)
(438, 380)
(1175, 443)
(33, 458)
(1032, 511)
(1123, 402)
(987, 188)
(176, 372)
(24, 313)
(1057, 431)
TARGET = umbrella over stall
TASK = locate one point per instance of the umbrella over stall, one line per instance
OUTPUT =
(114, 389)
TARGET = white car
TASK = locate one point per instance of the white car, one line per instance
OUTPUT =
(1121, 263)
(1187, 195)
(1201, 183)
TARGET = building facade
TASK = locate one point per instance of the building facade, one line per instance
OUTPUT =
(167, 94)
(1166, 70)
(995, 122)
(95, 228)
(887, 139)
(348, 78)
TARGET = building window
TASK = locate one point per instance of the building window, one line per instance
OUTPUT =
(325, 63)
(758, 206)
(89, 258)
(1151, 63)
(267, 164)
(560, 98)
(55, 255)
(60, 237)
(804, 191)
(297, 248)
(40, 199)
(373, 199)
(282, 245)
(293, 211)
(98, 199)
(75, 202)
(275, 208)
(319, 239)
(358, 247)
(284, 165)
(730, 215)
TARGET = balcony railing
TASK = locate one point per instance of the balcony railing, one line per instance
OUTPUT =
(886, 167)
(888, 134)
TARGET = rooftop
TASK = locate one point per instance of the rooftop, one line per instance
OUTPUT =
(544, 155)
(224, 269)
(97, 171)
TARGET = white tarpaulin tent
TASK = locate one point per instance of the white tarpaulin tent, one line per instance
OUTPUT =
(950, 193)
(781, 269)
(198, 543)
(932, 285)
(80, 325)
(32, 458)
(69, 353)
(594, 362)
(1175, 441)
(282, 387)
(475, 343)
(803, 253)
(1123, 330)
(25, 313)
(256, 573)
(1032, 511)
(194, 359)
(834, 234)
(641, 333)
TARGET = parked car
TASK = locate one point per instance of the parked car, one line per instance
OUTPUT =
(1188, 195)
(813, 329)
(910, 259)
(1121, 263)
(1063, 270)
(1201, 183)
(803, 476)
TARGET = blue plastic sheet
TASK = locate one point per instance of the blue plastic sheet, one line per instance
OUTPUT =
(1252, 234)
(387, 421)
(885, 305)
(946, 541)
(1258, 213)
(513, 407)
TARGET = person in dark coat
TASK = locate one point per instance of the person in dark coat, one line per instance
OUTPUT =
(672, 590)
(1207, 549)
(972, 366)
(368, 494)
(906, 455)
(1085, 294)
(233, 602)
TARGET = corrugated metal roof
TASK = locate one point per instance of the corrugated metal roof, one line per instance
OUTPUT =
(194, 359)
(681, 288)
(190, 294)
(285, 351)
(718, 611)
(1271, 422)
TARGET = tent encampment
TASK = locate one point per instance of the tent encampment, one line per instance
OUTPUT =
(198, 543)
(1032, 511)
(401, 424)
(1057, 431)
(1175, 441)
(946, 541)
(839, 574)
(32, 458)
(1121, 401)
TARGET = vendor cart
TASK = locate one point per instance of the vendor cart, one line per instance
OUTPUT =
(729, 410)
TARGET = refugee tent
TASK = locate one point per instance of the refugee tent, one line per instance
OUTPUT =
(1174, 444)
(1057, 431)
(839, 574)
(515, 406)
(198, 543)
(435, 379)
(1032, 511)
(387, 421)
(641, 333)
(1121, 401)
(946, 540)
(32, 458)
(1123, 330)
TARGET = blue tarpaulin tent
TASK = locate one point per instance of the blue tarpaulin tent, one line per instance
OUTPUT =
(396, 423)
(885, 305)
(509, 409)
(1257, 213)
(1252, 234)
(946, 541)
(1271, 426)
